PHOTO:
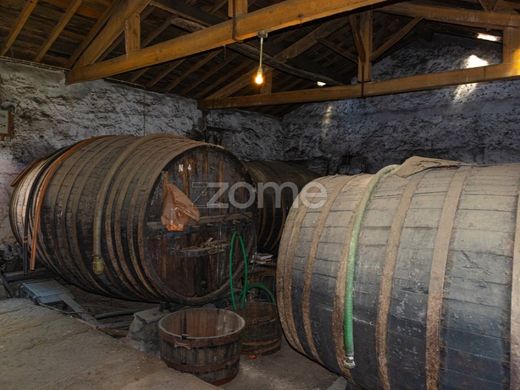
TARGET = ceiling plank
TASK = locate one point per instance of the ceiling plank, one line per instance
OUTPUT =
(461, 16)
(84, 10)
(18, 25)
(58, 29)
(240, 69)
(209, 74)
(165, 72)
(114, 27)
(193, 69)
(505, 71)
(275, 17)
(395, 38)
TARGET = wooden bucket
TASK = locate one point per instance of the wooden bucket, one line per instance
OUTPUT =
(203, 342)
(262, 334)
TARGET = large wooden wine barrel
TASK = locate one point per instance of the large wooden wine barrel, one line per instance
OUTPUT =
(436, 276)
(100, 204)
(273, 211)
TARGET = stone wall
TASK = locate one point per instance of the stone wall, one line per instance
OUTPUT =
(50, 115)
(472, 123)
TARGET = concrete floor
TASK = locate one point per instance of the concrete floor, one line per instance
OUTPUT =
(44, 349)
(286, 369)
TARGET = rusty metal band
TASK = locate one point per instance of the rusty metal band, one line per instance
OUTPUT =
(437, 275)
(285, 288)
(359, 182)
(43, 189)
(387, 277)
(336, 187)
(514, 381)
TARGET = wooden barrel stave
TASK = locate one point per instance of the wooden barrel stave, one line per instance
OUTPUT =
(476, 292)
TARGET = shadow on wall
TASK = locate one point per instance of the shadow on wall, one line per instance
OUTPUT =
(472, 123)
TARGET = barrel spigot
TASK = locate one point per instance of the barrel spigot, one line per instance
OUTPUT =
(349, 362)
(98, 265)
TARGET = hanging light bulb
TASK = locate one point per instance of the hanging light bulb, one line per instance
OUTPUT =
(259, 78)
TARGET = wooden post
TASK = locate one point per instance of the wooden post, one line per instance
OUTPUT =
(362, 30)
(237, 7)
(133, 33)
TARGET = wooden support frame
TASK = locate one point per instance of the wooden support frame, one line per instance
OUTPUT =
(505, 71)
(58, 29)
(275, 17)
(26, 11)
(395, 38)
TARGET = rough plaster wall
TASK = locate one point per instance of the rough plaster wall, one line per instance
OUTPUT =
(50, 115)
(472, 123)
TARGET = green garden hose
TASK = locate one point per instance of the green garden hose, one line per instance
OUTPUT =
(246, 288)
(348, 320)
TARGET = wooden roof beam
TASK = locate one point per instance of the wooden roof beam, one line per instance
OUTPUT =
(275, 17)
(505, 71)
(123, 10)
(460, 16)
(18, 25)
(488, 5)
(362, 29)
(58, 29)
(237, 8)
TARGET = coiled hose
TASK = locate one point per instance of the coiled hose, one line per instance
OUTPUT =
(247, 287)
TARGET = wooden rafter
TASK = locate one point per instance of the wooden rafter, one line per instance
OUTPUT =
(460, 16)
(488, 5)
(395, 38)
(275, 17)
(94, 31)
(147, 41)
(505, 71)
(165, 72)
(114, 27)
(288, 53)
(199, 64)
(339, 51)
(18, 25)
(209, 74)
(58, 29)
(244, 67)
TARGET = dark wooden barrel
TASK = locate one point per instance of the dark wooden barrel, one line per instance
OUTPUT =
(106, 196)
(262, 333)
(436, 299)
(203, 342)
(272, 212)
